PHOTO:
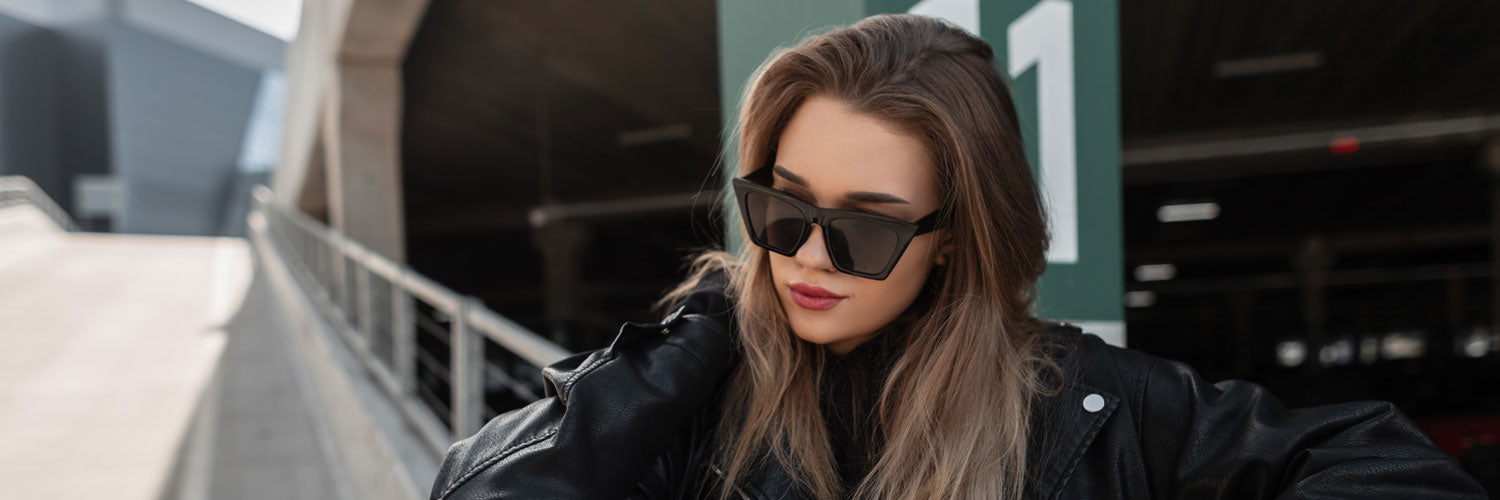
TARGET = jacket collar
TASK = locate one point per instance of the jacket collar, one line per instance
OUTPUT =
(1062, 427)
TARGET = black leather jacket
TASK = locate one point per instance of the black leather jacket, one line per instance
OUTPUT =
(629, 421)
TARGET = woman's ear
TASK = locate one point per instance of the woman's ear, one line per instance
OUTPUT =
(944, 249)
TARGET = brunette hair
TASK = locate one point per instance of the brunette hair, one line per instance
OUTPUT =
(955, 409)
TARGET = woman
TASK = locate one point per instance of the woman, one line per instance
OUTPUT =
(876, 339)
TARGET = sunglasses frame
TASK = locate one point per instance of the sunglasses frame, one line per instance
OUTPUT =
(759, 181)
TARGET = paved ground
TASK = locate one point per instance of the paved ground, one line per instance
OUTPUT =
(147, 367)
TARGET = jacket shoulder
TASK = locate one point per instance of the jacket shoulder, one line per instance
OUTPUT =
(1233, 436)
(1086, 359)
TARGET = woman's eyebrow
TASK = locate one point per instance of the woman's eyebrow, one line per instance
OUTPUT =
(859, 196)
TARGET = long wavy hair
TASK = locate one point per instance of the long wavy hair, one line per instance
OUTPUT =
(953, 412)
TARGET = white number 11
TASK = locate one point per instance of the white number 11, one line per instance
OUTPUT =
(1041, 38)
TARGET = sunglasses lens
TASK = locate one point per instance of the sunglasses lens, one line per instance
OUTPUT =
(774, 223)
(861, 245)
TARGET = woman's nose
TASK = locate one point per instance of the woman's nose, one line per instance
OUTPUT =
(814, 254)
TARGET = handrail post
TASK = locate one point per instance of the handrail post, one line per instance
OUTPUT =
(364, 301)
(468, 372)
(403, 337)
(325, 277)
(340, 287)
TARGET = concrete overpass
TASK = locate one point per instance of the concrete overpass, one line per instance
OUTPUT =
(293, 364)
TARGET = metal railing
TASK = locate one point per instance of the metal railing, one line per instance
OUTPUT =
(449, 363)
(17, 189)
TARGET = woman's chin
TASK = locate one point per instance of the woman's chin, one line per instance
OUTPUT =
(815, 332)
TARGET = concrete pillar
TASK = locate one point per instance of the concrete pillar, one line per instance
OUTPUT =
(363, 162)
(1242, 304)
(1313, 262)
(1208, 333)
(562, 245)
(343, 132)
(1454, 328)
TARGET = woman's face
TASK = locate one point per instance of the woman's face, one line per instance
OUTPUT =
(826, 152)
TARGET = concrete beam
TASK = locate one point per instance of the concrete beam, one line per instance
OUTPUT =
(378, 31)
(344, 113)
(309, 65)
(1394, 239)
(1242, 144)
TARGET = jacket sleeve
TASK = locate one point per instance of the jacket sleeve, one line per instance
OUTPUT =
(1234, 439)
(607, 420)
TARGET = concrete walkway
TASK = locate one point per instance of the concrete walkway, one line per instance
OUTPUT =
(147, 367)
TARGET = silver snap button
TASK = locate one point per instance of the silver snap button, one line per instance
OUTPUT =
(676, 313)
(1093, 403)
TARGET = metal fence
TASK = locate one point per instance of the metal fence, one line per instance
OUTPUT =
(16, 190)
(449, 363)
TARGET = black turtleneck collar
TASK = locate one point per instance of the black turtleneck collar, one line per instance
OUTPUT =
(849, 392)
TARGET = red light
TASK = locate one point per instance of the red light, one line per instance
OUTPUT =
(1344, 145)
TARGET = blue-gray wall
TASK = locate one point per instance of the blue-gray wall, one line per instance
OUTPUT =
(82, 76)
(101, 97)
(178, 119)
(29, 101)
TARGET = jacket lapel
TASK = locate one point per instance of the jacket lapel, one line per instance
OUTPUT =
(1063, 426)
(1060, 433)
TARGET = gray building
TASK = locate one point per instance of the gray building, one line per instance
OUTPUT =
(140, 116)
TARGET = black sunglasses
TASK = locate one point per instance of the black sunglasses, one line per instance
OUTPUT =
(861, 244)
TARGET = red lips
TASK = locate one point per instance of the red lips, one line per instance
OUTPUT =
(814, 298)
(814, 291)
